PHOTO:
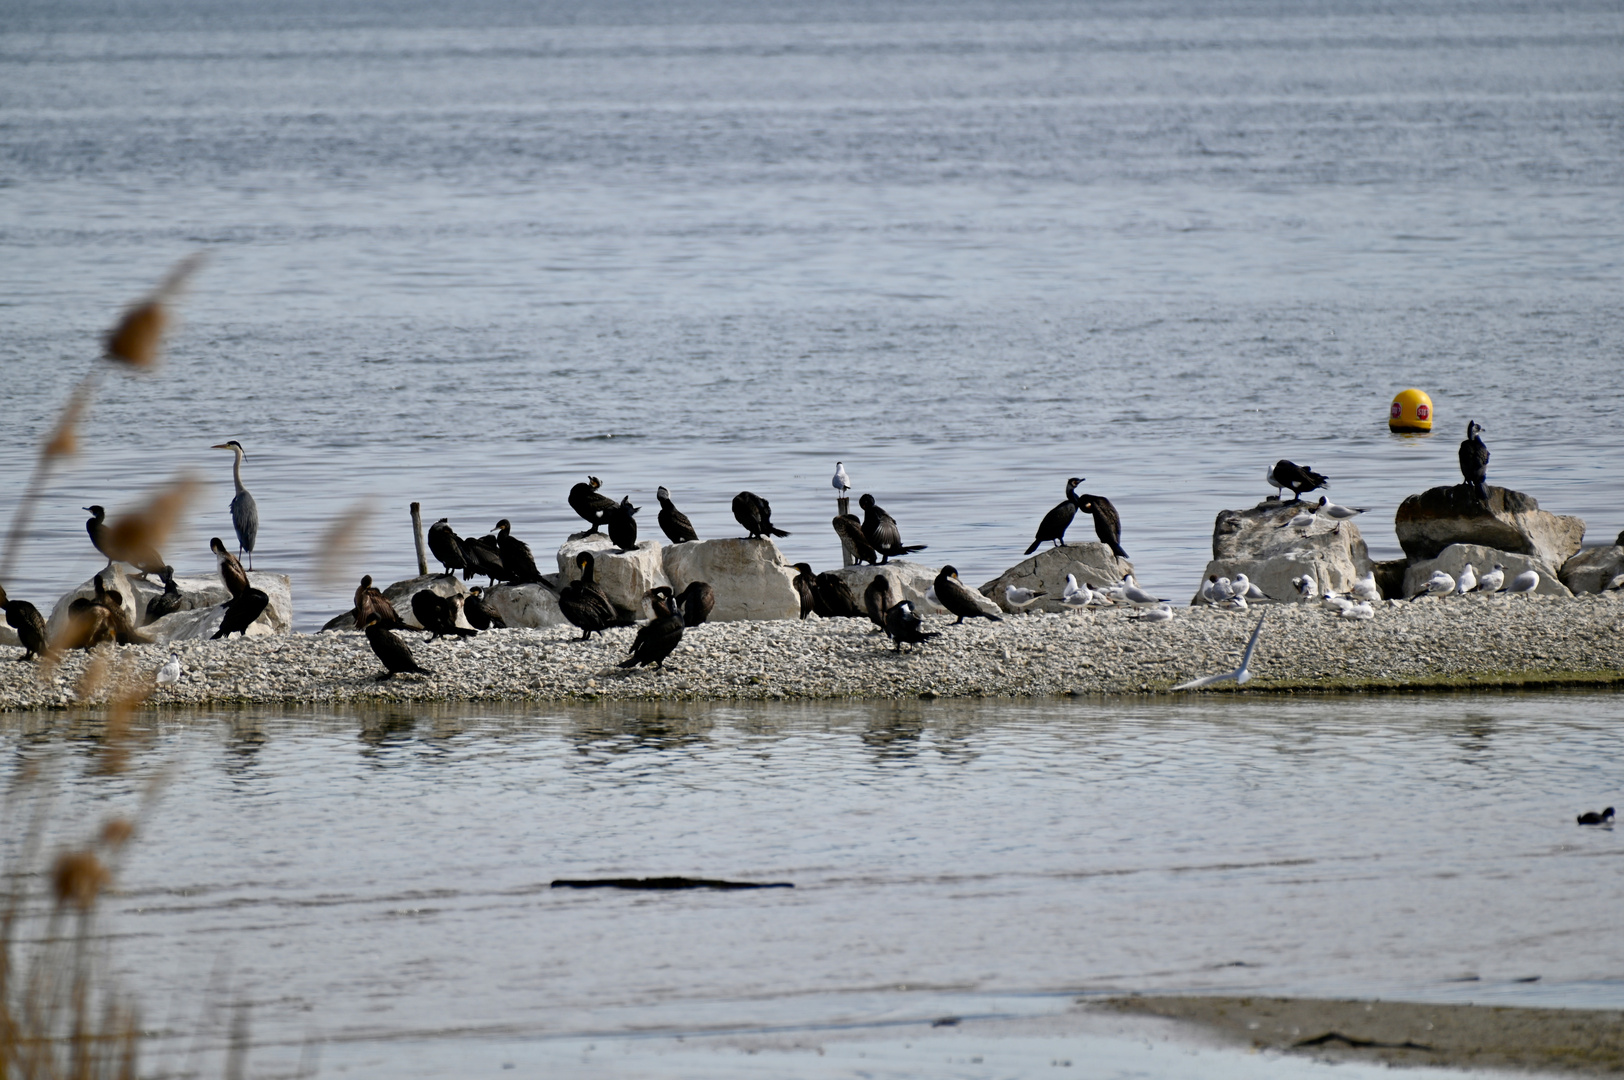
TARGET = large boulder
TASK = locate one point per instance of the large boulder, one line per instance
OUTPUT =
(1453, 559)
(1092, 563)
(115, 579)
(626, 577)
(751, 578)
(1257, 543)
(1593, 569)
(400, 596)
(200, 623)
(909, 581)
(534, 606)
(1510, 521)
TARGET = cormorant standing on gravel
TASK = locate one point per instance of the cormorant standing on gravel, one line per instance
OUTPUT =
(621, 520)
(832, 598)
(585, 500)
(673, 522)
(447, 547)
(1474, 460)
(241, 611)
(518, 565)
(850, 531)
(1055, 523)
(479, 615)
(1299, 478)
(1107, 522)
(584, 602)
(24, 618)
(696, 602)
(396, 656)
(804, 588)
(881, 531)
(167, 602)
(369, 600)
(958, 599)
(438, 615)
(755, 514)
(905, 625)
(656, 638)
(231, 571)
(877, 599)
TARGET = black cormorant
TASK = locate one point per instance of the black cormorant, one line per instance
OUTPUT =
(396, 656)
(804, 588)
(518, 565)
(877, 599)
(1057, 521)
(755, 514)
(1590, 817)
(832, 598)
(1107, 522)
(117, 620)
(904, 625)
(24, 618)
(657, 637)
(881, 531)
(621, 523)
(958, 598)
(241, 611)
(585, 500)
(369, 601)
(673, 522)
(167, 602)
(479, 613)
(447, 547)
(584, 602)
(140, 555)
(438, 615)
(244, 512)
(1474, 460)
(484, 558)
(696, 602)
(231, 571)
(850, 531)
(1299, 478)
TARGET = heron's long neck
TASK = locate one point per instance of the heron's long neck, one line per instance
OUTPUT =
(236, 470)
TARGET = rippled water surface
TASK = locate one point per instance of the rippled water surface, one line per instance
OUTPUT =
(378, 884)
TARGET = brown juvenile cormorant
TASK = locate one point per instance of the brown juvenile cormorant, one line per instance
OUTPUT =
(958, 598)
(484, 558)
(804, 588)
(24, 618)
(832, 598)
(1299, 478)
(904, 625)
(673, 522)
(656, 638)
(877, 600)
(1057, 521)
(696, 602)
(89, 624)
(116, 621)
(585, 500)
(142, 556)
(478, 613)
(369, 601)
(241, 611)
(621, 523)
(850, 531)
(231, 571)
(584, 602)
(438, 615)
(755, 514)
(396, 656)
(518, 565)
(244, 511)
(167, 602)
(881, 531)
(1474, 460)
(1107, 522)
(447, 547)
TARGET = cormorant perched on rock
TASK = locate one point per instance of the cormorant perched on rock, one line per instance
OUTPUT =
(167, 602)
(438, 615)
(24, 618)
(478, 613)
(116, 621)
(1055, 523)
(1299, 478)
(585, 500)
(89, 624)
(904, 625)
(1107, 522)
(231, 571)
(1474, 460)
(755, 514)
(673, 522)
(850, 531)
(484, 558)
(877, 599)
(621, 522)
(696, 602)
(241, 611)
(584, 602)
(805, 589)
(959, 599)
(881, 531)
(244, 511)
(369, 601)
(518, 565)
(447, 547)
(832, 598)
(142, 556)
(657, 637)
(396, 656)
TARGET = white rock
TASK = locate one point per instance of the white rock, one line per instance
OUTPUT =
(909, 581)
(111, 579)
(533, 606)
(751, 578)
(195, 592)
(1591, 569)
(1090, 562)
(1453, 559)
(1255, 543)
(626, 578)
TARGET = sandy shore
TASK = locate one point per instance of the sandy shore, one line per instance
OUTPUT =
(1582, 1041)
(1457, 642)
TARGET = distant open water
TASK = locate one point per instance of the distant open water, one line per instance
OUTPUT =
(466, 256)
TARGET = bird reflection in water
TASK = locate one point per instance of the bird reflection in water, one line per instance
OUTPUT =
(601, 738)
(385, 731)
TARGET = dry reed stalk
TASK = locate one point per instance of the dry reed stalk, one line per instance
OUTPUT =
(336, 548)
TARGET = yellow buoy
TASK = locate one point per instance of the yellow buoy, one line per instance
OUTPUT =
(1411, 411)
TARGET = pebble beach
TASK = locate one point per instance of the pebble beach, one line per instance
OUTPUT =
(1450, 643)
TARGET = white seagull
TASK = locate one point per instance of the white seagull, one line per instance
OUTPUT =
(841, 482)
(1493, 581)
(1072, 588)
(1361, 610)
(1019, 598)
(1236, 602)
(1439, 584)
(1242, 586)
(1307, 587)
(1525, 582)
(1215, 589)
(169, 674)
(1340, 513)
(1302, 520)
(1468, 580)
(1335, 602)
(1365, 587)
(1133, 594)
(1164, 613)
(1241, 675)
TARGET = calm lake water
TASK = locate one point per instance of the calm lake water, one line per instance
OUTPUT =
(377, 885)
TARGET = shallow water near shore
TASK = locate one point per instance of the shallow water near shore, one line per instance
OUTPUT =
(377, 883)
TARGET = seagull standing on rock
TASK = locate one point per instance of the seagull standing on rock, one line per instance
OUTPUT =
(1339, 513)
(1303, 520)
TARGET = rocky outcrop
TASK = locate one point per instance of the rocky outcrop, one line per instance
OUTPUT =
(533, 606)
(909, 581)
(114, 578)
(1510, 521)
(1453, 559)
(200, 623)
(400, 596)
(1092, 563)
(627, 577)
(1593, 568)
(751, 578)
(1257, 543)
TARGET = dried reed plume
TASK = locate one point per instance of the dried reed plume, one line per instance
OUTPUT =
(338, 542)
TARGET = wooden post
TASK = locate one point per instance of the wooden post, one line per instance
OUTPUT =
(846, 556)
(417, 535)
